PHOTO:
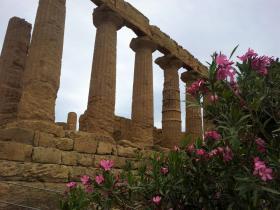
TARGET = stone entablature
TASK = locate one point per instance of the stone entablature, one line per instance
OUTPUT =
(141, 26)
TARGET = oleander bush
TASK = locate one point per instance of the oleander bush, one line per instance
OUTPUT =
(235, 166)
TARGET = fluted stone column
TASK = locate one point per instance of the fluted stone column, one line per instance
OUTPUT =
(142, 99)
(171, 111)
(13, 59)
(72, 121)
(101, 100)
(193, 114)
(42, 72)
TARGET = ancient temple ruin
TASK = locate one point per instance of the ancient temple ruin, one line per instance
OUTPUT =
(36, 151)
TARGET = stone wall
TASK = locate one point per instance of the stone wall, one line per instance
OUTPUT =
(41, 160)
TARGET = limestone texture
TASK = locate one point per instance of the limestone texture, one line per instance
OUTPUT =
(72, 121)
(171, 109)
(193, 114)
(12, 65)
(42, 73)
(142, 115)
(101, 99)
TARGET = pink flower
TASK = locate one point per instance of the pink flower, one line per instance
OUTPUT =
(106, 164)
(261, 170)
(71, 185)
(227, 154)
(248, 55)
(260, 64)
(224, 69)
(89, 189)
(99, 179)
(260, 145)
(176, 148)
(213, 135)
(196, 86)
(164, 170)
(214, 98)
(191, 148)
(85, 180)
(157, 200)
(200, 152)
(213, 153)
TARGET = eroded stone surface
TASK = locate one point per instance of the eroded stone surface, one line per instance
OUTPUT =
(12, 65)
(42, 73)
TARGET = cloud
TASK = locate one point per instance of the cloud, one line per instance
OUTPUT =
(201, 26)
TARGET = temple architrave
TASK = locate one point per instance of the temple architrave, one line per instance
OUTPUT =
(36, 151)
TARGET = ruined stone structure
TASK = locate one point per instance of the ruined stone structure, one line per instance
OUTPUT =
(13, 58)
(37, 152)
(193, 114)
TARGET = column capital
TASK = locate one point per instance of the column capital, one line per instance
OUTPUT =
(189, 76)
(169, 61)
(142, 42)
(103, 14)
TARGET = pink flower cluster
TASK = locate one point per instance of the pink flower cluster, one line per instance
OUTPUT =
(261, 170)
(258, 63)
(87, 183)
(71, 185)
(106, 164)
(196, 86)
(226, 153)
(99, 179)
(260, 145)
(212, 135)
(156, 199)
(225, 68)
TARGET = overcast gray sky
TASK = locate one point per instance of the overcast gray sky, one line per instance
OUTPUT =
(200, 26)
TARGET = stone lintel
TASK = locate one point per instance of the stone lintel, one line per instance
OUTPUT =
(136, 21)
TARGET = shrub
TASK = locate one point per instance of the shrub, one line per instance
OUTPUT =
(235, 166)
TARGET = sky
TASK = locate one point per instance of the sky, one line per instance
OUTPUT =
(200, 26)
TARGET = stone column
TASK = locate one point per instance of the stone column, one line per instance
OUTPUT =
(101, 99)
(207, 123)
(13, 58)
(43, 66)
(72, 121)
(142, 99)
(193, 114)
(171, 112)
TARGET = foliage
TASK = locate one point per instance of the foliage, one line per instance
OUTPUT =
(235, 166)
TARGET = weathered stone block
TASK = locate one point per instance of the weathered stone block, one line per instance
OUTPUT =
(85, 159)
(46, 155)
(11, 168)
(64, 144)
(105, 148)
(45, 172)
(38, 125)
(127, 151)
(76, 172)
(15, 151)
(20, 135)
(69, 158)
(44, 140)
(85, 144)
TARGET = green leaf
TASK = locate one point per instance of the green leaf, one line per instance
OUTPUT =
(233, 51)
(270, 190)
